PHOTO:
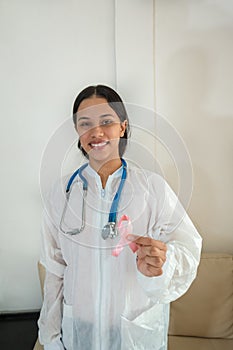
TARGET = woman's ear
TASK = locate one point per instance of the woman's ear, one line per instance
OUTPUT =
(123, 127)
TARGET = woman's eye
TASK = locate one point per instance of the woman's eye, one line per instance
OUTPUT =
(107, 122)
(85, 124)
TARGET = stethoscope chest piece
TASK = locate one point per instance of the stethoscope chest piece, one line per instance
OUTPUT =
(109, 230)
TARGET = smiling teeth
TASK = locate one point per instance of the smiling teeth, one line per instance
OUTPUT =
(98, 144)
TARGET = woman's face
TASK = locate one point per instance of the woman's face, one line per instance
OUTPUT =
(99, 129)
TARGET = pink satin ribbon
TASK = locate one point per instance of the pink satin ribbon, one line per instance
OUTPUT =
(124, 228)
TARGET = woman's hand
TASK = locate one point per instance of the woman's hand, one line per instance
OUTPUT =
(151, 255)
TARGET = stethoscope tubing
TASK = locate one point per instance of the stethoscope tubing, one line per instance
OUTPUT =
(113, 209)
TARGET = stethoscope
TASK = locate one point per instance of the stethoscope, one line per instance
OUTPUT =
(110, 229)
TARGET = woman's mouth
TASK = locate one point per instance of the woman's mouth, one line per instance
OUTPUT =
(98, 145)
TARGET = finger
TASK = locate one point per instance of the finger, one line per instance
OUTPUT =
(152, 251)
(153, 271)
(154, 261)
(148, 270)
(157, 261)
(132, 238)
(147, 241)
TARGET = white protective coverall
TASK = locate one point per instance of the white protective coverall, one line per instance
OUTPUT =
(95, 301)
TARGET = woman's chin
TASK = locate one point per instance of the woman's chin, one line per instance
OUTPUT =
(101, 156)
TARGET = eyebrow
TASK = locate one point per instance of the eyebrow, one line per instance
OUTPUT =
(101, 116)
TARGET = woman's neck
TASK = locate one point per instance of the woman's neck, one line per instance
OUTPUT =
(105, 169)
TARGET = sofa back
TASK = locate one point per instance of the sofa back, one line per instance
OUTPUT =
(206, 310)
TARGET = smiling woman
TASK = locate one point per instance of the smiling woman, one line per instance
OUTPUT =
(100, 130)
(94, 298)
(112, 111)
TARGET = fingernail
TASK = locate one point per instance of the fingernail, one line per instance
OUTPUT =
(130, 237)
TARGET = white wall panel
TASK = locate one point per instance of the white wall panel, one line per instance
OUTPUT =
(134, 37)
(194, 83)
(134, 51)
(50, 50)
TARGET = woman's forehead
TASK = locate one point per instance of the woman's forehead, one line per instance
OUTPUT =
(92, 101)
(95, 107)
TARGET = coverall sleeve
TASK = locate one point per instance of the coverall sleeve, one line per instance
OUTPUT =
(51, 312)
(174, 227)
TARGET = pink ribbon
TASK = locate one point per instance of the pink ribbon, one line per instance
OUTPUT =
(124, 228)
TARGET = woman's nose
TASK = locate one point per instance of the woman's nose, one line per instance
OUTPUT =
(97, 131)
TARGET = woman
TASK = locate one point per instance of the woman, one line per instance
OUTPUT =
(93, 297)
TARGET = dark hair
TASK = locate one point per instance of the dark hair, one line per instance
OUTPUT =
(114, 101)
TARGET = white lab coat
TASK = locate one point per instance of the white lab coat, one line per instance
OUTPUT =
(96, 301)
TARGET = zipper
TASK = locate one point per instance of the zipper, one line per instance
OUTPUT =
(100, 302)
(100, 294)
(103, 192)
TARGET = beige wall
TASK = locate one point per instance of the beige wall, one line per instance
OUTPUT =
(194, 87)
